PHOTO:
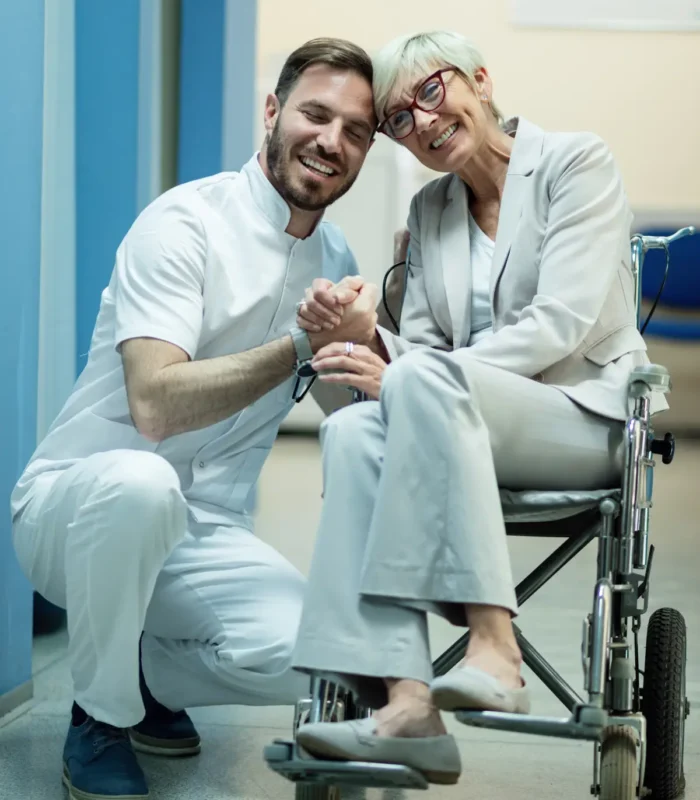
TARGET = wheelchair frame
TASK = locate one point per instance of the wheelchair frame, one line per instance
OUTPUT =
(611, 713)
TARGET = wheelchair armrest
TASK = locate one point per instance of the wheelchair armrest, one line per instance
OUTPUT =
(648, 378)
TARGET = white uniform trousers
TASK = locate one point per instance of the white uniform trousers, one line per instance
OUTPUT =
(412, 520)
(110, 539)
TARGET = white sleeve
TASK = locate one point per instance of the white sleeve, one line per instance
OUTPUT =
(160, 279)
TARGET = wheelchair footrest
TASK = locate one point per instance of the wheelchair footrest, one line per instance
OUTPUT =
(283, 757)
(587, 722)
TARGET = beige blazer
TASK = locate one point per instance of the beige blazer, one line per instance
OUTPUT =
(562, 292)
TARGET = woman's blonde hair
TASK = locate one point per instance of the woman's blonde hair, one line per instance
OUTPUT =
(412, 56)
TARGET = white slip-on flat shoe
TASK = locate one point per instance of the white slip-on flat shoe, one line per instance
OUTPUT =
(435, 757)
(471, 689)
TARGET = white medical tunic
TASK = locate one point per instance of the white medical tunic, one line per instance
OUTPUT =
(209, 267)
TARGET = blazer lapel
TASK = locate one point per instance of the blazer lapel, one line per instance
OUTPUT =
(525, 156)
(456, 260)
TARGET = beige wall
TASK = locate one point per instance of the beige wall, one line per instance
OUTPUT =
(639, 91)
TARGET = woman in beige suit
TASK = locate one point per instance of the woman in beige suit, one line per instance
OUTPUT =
(517, 335)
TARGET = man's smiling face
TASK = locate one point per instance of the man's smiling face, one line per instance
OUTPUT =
(318, 141)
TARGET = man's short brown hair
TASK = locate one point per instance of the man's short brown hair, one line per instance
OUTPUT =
(337, 53)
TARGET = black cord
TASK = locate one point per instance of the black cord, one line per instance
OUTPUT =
(299, 398)
(384, 283)
(661, 288)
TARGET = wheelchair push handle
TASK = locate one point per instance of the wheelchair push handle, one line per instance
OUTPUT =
(662, 242)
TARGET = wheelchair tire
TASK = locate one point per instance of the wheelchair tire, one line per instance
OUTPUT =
(618, 765)
(308, 791)
(664, 703)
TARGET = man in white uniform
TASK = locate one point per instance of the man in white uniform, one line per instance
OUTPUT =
(134, 513)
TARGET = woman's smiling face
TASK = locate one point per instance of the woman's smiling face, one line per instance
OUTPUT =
(445, 138)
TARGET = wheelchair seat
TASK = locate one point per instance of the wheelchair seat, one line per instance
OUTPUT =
(559, 514)
(551, 506)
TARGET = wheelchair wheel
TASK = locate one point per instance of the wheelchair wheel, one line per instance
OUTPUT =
(618, 765)
(664, 703)
(308, 791)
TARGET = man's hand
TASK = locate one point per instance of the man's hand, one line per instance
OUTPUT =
(358, 324)
(324, 302)
(361, 369)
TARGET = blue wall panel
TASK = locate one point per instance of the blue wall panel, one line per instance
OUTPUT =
(106, 100)
(21, 101)
(201, 88)
(239, 98)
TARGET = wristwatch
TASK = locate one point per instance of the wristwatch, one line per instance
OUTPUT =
(302, 346)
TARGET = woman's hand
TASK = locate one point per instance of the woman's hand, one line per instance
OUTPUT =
(362, 369)
(323, 304)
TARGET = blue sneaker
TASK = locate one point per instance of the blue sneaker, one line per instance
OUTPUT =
(99, 764)
(163, 732)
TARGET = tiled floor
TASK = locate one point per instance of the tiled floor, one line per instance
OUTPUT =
(496, 765)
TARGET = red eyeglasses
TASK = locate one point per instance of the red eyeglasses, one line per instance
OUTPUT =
(429, 97)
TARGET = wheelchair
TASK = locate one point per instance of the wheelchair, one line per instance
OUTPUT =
(633, 713)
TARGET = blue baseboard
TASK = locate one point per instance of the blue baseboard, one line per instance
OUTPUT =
(17, 697)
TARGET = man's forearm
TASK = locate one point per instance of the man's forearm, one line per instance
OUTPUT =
(192, 395)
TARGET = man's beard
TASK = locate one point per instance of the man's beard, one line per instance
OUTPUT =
(307, 197)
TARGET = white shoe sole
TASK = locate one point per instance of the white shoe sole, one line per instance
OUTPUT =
(77, 794)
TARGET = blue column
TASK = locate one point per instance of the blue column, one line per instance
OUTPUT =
(21, 88)
(106, 147)
(217, 86)
(118, 111)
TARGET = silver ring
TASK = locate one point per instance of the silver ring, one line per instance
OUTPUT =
(299, 305)
(349, 347)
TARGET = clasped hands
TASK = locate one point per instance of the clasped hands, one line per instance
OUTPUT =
(335, 314)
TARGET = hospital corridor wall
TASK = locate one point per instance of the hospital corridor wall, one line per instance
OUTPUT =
(21, 101)
(108, 105)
